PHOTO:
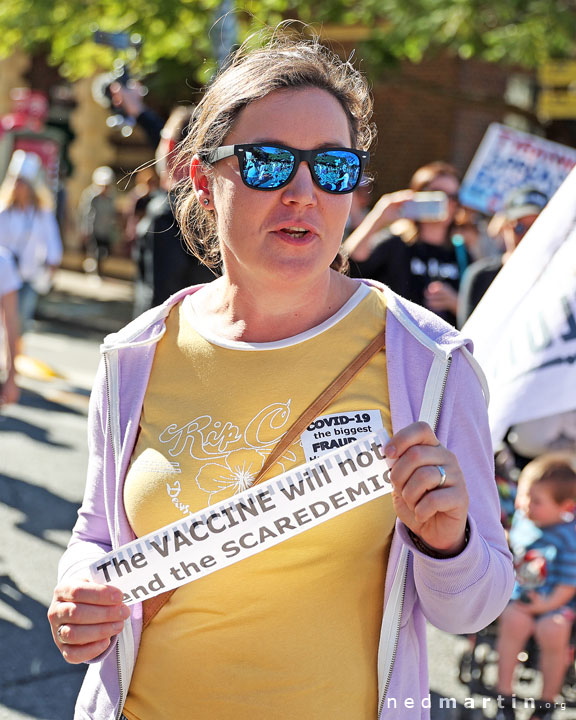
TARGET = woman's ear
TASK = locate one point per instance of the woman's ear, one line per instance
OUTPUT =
(200, 181)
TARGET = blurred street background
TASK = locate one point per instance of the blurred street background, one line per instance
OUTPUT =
(489, 88)
(42, 466)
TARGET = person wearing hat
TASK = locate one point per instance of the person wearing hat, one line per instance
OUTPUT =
(521, 208)
(98, 218)
(28, 230)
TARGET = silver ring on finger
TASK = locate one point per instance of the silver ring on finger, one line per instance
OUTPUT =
(442, 476)
(59, 633)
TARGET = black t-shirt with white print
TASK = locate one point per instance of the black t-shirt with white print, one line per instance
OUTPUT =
(408, 269)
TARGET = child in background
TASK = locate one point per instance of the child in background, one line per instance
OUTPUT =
(543, 540)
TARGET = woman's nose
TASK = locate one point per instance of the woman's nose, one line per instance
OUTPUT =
(301, 188)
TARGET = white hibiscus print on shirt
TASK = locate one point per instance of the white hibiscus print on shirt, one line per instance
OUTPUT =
(236, 473)
(238, 457)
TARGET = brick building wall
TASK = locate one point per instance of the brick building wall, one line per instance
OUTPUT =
(437, 110)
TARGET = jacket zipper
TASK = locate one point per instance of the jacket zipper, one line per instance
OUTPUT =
(442, 391)
(396, 639)
(120, 683)
(405, 569)
(114, 455)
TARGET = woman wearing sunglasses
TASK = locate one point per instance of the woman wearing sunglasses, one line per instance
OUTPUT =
(194, 398)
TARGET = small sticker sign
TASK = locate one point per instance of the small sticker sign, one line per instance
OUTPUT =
(330, 432)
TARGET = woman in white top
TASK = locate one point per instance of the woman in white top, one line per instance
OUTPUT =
(29, 231)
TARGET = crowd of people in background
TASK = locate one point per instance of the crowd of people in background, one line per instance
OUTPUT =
(443, 263)
(448, 264)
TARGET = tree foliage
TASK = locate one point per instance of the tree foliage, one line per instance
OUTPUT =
(526, 32)
(523, 32)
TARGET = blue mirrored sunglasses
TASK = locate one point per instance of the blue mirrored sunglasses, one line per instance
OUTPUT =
(270, 167)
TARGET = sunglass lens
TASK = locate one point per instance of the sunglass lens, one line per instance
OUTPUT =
(267, 167)
(337, 171)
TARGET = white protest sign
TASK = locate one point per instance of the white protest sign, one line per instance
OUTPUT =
(329, 432)
(249, 522)
(524, 328)
(507, 159)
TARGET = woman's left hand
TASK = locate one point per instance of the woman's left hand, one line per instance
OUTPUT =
(432, 505)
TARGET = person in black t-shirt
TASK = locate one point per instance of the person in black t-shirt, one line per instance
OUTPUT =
(425, 261)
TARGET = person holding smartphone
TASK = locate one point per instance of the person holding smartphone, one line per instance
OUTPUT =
(423, 258)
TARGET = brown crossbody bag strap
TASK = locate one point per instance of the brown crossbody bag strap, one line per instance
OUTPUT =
(152, 606)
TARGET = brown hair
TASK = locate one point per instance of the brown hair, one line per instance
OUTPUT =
(284, 62)
(425, 174)
(556, 470)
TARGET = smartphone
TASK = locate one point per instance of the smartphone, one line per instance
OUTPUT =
(426, 206)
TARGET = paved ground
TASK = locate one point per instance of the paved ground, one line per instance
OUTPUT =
(87, 303)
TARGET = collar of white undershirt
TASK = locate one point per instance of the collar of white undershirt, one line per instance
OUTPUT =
(194, 317)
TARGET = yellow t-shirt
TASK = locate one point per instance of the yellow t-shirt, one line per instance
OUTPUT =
(291, 632)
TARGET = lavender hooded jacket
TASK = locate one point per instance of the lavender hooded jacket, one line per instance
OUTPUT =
(427, 359)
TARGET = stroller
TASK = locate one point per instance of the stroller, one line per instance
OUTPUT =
(478, 664)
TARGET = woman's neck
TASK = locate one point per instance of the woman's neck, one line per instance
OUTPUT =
(269, 314)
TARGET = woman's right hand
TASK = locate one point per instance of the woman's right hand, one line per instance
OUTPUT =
(84, 616)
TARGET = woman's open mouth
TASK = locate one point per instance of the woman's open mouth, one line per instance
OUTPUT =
(296, 232)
